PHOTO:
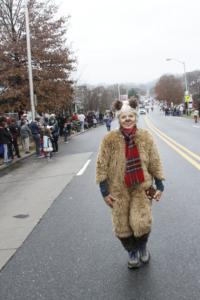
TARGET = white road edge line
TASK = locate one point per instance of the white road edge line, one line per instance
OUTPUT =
(82, 170)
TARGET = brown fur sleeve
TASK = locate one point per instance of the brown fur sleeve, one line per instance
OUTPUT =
(102, 161)
(155, 166)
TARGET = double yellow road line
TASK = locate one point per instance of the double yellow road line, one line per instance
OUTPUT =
(190, 156)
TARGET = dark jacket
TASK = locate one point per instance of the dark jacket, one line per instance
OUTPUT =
(14, 130)
(5, 136)
(35, 129)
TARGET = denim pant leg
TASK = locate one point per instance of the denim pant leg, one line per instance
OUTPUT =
(5, 150)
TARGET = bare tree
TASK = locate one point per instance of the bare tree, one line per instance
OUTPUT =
(170, 89)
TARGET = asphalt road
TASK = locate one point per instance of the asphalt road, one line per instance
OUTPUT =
(73, 254)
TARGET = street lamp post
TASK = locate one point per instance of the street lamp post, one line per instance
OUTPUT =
(118, 87)
(185, 75)
(29, 61)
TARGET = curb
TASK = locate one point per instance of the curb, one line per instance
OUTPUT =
(7, 166)
(4, 166)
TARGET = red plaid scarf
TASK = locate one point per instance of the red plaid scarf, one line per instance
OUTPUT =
(134, 172)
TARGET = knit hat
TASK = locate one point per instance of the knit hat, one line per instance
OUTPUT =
(126, 106)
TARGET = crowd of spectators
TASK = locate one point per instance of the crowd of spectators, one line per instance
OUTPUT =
(175, 110)
(18, 134)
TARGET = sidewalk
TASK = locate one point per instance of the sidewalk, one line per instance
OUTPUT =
(32, 151)
(15, 160)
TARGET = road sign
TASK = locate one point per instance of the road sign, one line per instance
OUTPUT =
(187, 98)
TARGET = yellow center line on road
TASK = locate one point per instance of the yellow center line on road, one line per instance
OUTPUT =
(174, 145)
(197, 157)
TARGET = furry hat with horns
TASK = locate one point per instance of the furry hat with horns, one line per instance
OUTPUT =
(126, 106)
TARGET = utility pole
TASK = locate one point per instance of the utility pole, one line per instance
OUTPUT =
(118, 92)
(184, 70)
(29, 61)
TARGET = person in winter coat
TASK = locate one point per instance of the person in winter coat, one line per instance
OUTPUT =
(54, 131)
(15, 132)
(81, 118)
(25, 134)
(128, 164)
(35, 131)
(5, 140)
(108, 121)
(196, 115)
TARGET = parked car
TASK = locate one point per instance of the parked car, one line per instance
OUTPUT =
(142, 111)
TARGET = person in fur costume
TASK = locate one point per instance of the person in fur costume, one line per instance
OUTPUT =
(128, 164)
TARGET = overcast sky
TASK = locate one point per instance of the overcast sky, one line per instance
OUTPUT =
(129, 40)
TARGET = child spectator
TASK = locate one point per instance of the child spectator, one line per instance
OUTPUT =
(47, 144)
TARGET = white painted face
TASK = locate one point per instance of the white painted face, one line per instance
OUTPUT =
(127, 120)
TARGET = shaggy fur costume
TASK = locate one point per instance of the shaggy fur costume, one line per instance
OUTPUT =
(131, 213)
